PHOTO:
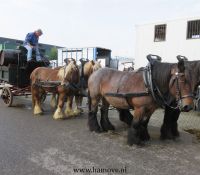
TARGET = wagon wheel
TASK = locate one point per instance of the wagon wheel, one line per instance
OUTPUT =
(7, 96)
(43, 97)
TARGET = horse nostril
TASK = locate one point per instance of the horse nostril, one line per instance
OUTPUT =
(187, 108)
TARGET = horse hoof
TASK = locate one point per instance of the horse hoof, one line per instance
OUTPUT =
(76, 112)
(37, 110)
(69, 114)
(133, 138)
(96, 129)
(38, 114)
(58, 116)
(109, 128)
(167, 136)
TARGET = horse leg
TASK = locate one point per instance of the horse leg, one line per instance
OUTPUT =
(78, 101)
(138, 132)
(53, 102)
(105, 122)
(125, 116)
(41, 93)
(92, 117)
(174, 127)
(169, 128)
(36, 101)
(68, 111)
(58, 114)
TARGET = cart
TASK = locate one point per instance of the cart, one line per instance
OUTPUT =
(15, 73)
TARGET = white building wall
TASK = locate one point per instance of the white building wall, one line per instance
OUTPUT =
(175, 43)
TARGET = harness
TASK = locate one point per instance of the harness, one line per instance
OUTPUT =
(157, 94)
(153, 89)
(54, 84)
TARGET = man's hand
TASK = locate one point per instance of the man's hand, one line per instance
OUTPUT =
(31, 46)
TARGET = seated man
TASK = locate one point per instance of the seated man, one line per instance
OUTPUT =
(31, 42)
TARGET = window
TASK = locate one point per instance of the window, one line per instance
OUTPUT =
(193, 29)
(160, 33)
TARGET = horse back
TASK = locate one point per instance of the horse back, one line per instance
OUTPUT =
(110, 80)
(43, 73)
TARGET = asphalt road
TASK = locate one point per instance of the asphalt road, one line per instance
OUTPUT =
(41, 146)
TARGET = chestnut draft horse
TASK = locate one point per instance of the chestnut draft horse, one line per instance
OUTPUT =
(63, 80)
(169, 129)
(86, 69)
(130, 92)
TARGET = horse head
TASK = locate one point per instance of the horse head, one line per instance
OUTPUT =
(66, 73)
(90, 67)
(68, 60)
(180, 86)
(97, 65)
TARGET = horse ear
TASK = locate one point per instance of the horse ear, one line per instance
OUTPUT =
(92, 61)
(179, 57)
(66, 60)
(181, 65)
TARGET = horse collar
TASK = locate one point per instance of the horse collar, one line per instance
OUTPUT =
(152, 87)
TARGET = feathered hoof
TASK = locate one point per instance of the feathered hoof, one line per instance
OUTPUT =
(58, 115)
(37, 111)
(69, 113)
(77, 112)
(53, 105)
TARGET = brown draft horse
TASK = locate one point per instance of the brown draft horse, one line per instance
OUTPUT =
(169, 129)
(170, 78)
(67, 75)
(86, 70)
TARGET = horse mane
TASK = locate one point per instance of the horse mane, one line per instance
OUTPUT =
(66, 70)
(161, 73)
(88, 68)
(96, 66)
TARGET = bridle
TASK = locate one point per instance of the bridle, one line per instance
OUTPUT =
(157, 94)
(179, 96)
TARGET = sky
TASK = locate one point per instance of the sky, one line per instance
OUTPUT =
(89, 23)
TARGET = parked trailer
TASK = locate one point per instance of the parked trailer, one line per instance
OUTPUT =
(90, 53)
(15, 73)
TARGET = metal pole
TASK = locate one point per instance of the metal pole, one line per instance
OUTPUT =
(87, 53)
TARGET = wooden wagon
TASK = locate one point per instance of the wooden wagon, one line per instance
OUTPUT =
(15, 73)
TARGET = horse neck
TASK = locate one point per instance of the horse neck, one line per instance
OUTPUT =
(161, 74)
(87, 70)
(194, 67)
(73, 77)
